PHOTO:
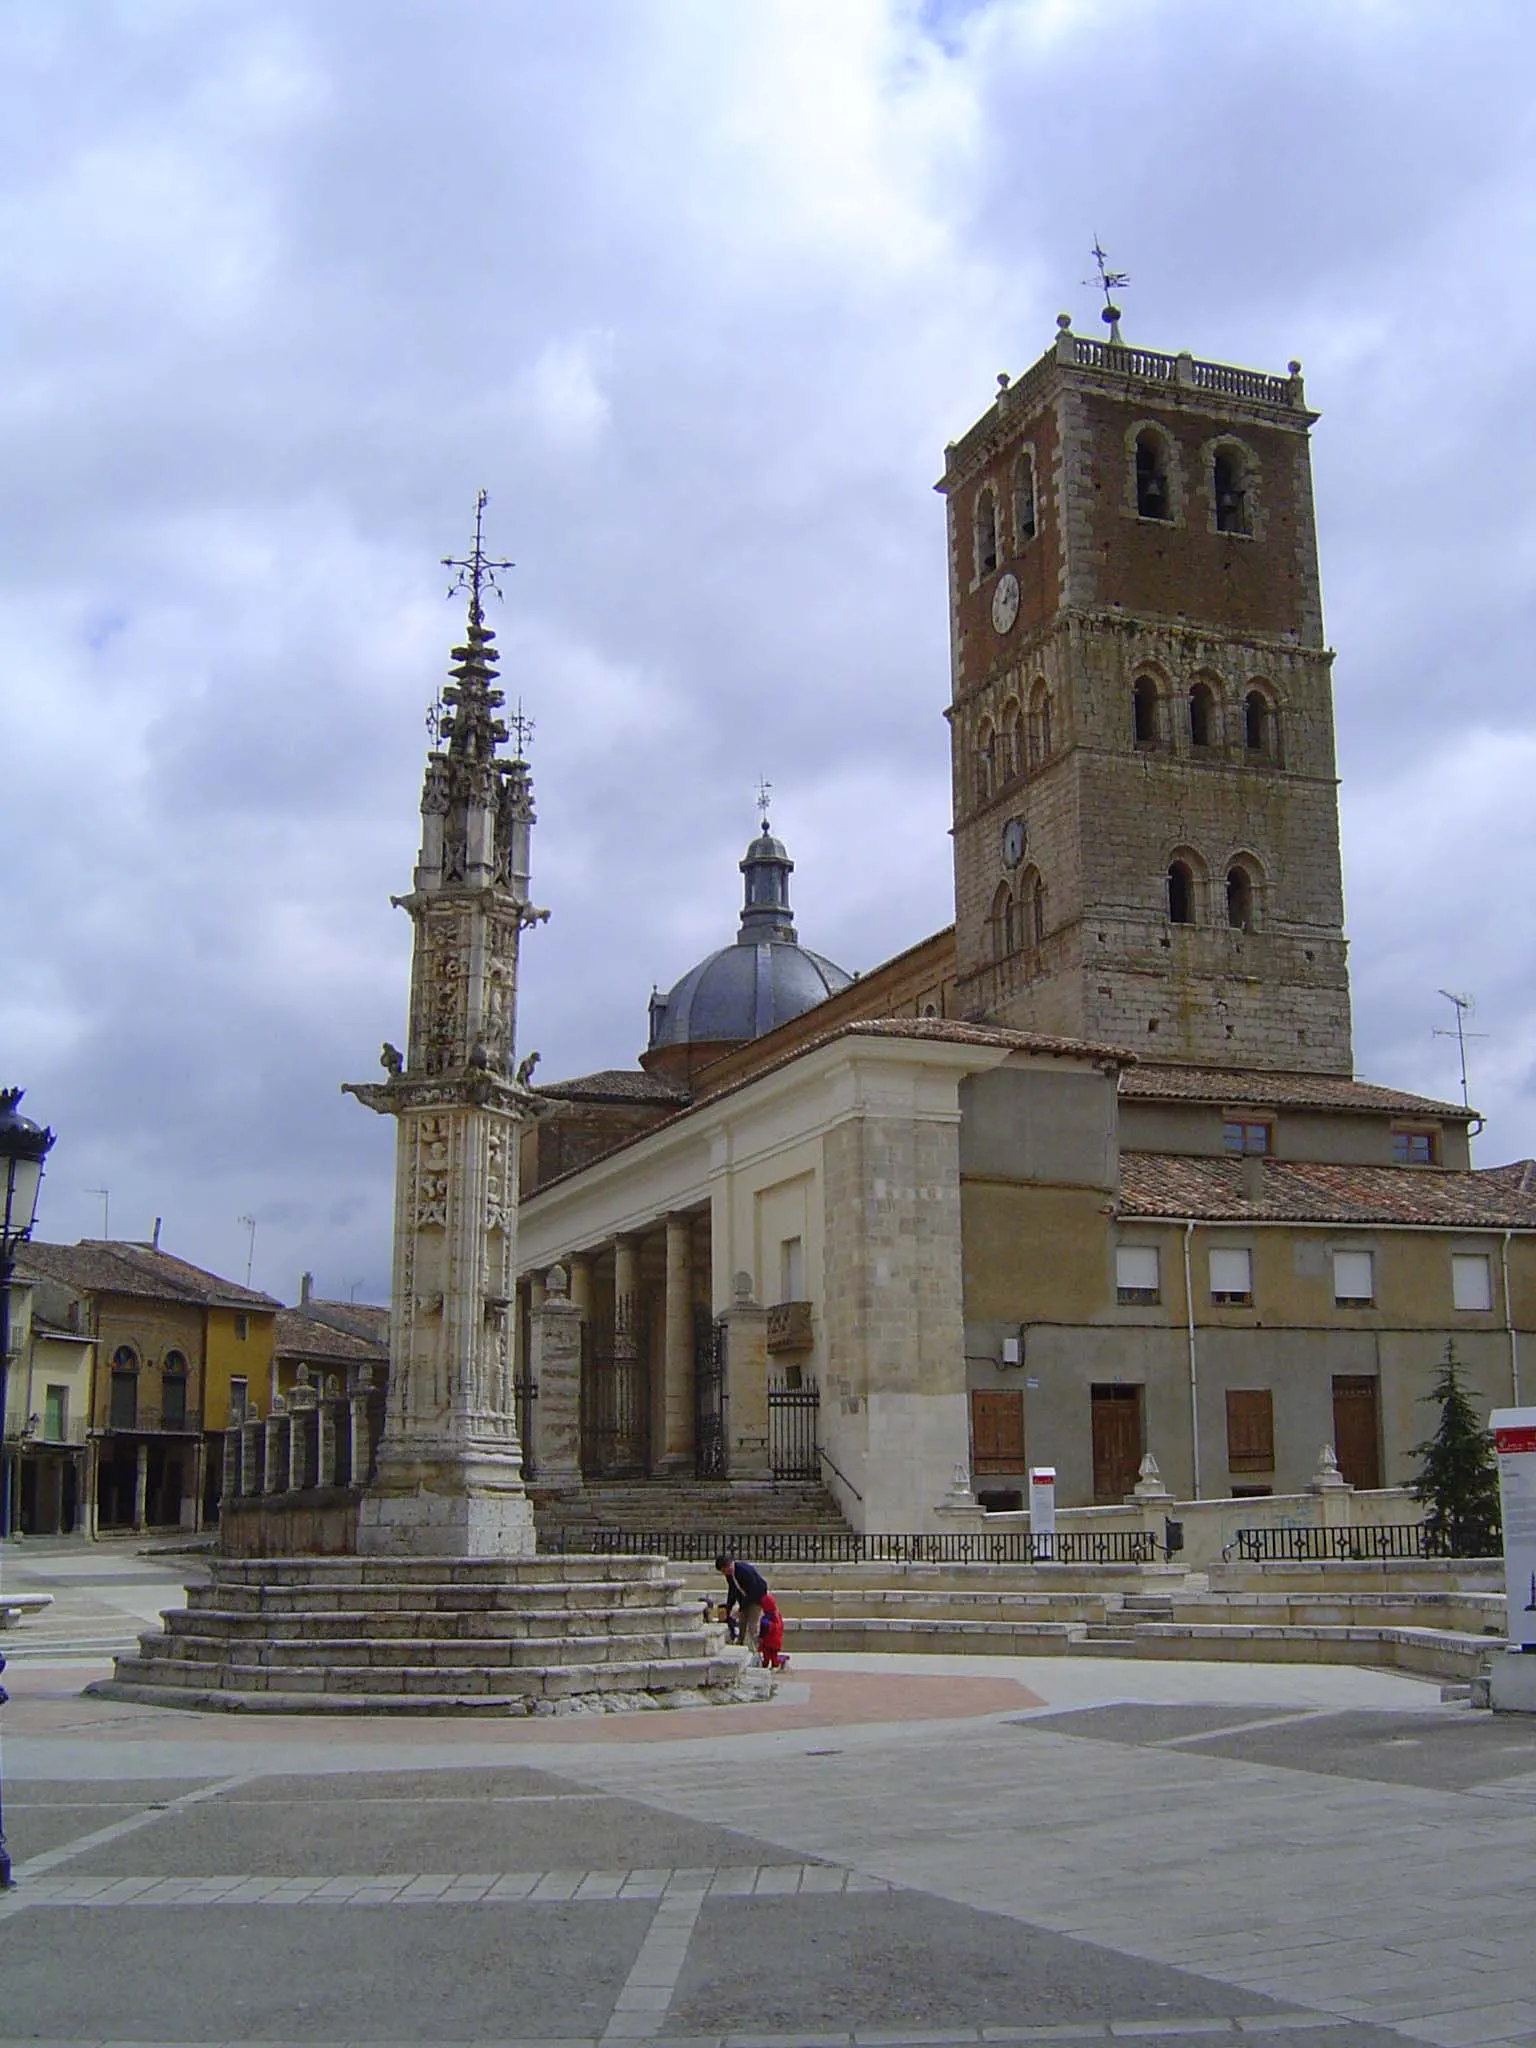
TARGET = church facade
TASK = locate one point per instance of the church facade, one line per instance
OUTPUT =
(1088, 1173)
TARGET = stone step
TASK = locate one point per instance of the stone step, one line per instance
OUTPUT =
(479, 1624)
(422, 1651)
(541, 1681)
(571, 1567)
(388, 1596)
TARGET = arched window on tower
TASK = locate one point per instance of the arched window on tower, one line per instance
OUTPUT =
(1181, 893)
(1000, 922)
(1037, 912)
(986, 755)
(1024, 518)
(1229, 482)
(1260, 728)
(1202, 716)
(986, 531)
(1144, 711)
(1152, 495)
(1239, 898)
(1018, 758)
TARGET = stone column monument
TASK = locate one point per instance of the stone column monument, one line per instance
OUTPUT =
(449, 1477)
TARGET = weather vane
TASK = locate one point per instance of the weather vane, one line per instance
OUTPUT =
(1109, 282)
(477, 571)
(521, 726)
(764, 794)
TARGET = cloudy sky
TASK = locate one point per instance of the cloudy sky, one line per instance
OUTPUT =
(698, 292)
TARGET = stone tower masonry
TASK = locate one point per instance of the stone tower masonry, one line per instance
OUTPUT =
(449, 1478)
(1145, 811)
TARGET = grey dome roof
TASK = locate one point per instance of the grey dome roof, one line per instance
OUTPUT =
(765, 979)
(743, 991)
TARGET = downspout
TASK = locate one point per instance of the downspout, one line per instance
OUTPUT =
(1509, 1325)
(1194, 1375)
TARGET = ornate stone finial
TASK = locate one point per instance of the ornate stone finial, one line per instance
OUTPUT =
(1003, 380)
(557, 1283)
(1327, 1477)
(741, 1289)
(279, 1405)
(302, 1375)
(362, 1380)
(1063, 326)
(1149, 1481)
(391, 1059)
(1294, 367)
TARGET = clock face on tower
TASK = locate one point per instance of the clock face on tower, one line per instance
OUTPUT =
(1014, 841)
(1005, 602)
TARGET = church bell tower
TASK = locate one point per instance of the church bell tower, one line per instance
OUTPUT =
(1146, 824)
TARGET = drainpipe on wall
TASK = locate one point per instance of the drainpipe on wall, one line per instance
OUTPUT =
(1509, 1325)
(1194, 1377)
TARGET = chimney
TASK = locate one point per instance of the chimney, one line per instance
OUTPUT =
(306, 1288)
(154, 1243)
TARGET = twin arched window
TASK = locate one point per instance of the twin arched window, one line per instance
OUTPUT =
(1024, 514)
(1018, 917)
(1260, 718)
(1241, 896)
(1040, 736)
(986, 531)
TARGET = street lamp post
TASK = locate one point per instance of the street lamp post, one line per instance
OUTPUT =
(24, 1146)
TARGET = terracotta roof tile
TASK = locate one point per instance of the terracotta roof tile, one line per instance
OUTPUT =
(301, 1335)
(1169, 1185)
(616, 1084)
(1279, 1091)
(115, 1266)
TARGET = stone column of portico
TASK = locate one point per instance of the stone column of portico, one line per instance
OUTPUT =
(674, 1451)
(554, 1355)
(746, 1385)
(579, 1269)
(141, 1486)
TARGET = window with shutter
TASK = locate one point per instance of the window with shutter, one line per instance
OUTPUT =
(1354, 1279)
(1471, 1281)
(1250, 1429)
(1232, 1277)
(1136, 1273)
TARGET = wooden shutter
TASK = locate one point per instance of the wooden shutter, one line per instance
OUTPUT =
(1250, 1429)
(997, 1431)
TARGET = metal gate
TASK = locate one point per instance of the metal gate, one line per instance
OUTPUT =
(616, 1395)
(708, 1394)
(793, 1412)
(525, 1390)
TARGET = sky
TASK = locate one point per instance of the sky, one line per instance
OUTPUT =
(697, 293)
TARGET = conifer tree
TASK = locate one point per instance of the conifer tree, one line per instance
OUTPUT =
(1457, 1479)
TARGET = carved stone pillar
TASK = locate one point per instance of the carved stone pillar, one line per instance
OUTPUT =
(301, 1406)
(675, 1448)
(274, 1477)
(746, 1385)
(325, 1437)
(554, 1350)
(141, 1486)
(230, 1484)
(253, 1457)
(361, 1447)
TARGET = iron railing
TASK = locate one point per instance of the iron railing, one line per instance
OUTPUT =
(793, 1416)
(826, 1546)
(1333, 1546)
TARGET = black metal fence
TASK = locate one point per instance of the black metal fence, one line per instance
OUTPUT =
(708, 1394)
(616, 1395)
(817, 1546)
(793, 1416)
(1405, 1540)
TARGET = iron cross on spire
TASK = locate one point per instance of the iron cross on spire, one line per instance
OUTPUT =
(477, 571)
(1109, 282)
(521, 727)
(764, 793)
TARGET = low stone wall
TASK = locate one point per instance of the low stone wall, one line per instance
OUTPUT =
(318, 1522)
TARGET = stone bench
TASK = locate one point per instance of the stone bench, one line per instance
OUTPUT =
(16, 1607)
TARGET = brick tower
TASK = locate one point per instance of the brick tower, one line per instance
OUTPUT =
(1145, 812)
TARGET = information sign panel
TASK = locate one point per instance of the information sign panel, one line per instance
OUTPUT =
(1514, 1438)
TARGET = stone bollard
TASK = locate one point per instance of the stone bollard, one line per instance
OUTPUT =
(325, 1434)
(253, 1450)
(361, 1452)
(1151, 1497)
(275, 1474)
(229, 1471)
(1332, 1492)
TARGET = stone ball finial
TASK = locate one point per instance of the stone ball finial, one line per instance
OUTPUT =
(1064, 322)
(1294, 367)
(557, 1283)
(741, 1288)
(302, 1375)
(1003, 380)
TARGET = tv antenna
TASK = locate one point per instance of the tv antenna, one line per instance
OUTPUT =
(1109, 282)
(250, 1245)
(1464, 1007)
(106, 1209)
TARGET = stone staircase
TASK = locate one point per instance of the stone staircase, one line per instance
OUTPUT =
(1443, 1630)
(719, 1509)
(432, 1636)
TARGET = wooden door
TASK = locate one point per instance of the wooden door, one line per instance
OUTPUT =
(1357, 1427)
(997, 1430)
(1117, 1441)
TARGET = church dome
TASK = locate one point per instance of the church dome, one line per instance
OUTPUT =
(764, 979)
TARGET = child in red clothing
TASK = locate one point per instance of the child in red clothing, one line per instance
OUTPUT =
(770, 1635)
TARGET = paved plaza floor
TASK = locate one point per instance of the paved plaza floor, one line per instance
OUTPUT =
(895, 1850)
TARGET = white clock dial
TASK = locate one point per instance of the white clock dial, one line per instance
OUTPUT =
(1014, 839)
(1005, 602)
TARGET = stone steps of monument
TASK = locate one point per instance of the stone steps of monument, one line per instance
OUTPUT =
(423, 1651)
(444, 1683)
(321, 1573)
(478, 1624)
(385, 1596)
